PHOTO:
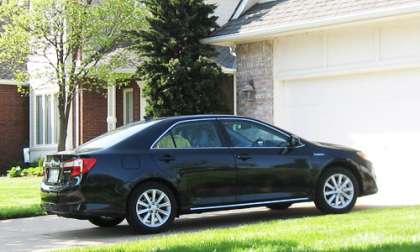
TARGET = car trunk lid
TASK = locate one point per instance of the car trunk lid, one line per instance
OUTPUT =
(65, 169)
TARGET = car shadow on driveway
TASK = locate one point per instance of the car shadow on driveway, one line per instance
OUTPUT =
(51, 232)
(195, 222)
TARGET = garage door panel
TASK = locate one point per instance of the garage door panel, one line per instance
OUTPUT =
(385, 87)
(378, 113)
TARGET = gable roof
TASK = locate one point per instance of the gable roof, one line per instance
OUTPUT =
(5, 73)
(290, 15)
(223, 58)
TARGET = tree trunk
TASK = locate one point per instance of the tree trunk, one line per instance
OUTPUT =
(64, 111)
(63, 133)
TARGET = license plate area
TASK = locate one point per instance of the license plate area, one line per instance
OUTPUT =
(53, 176)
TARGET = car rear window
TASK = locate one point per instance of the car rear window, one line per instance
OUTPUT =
(116, 136)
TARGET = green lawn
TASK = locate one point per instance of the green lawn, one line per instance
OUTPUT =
(20, 197)
(390, 229)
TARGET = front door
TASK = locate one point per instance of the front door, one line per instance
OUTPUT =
(206, 171)
(267, 168)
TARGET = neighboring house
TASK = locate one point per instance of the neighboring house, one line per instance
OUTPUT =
(340, 71)
(94, 114)
(14, 119)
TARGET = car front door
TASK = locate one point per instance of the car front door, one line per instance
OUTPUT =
(268, 168)
(205, 168)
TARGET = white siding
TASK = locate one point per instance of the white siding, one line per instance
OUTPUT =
(359, 48)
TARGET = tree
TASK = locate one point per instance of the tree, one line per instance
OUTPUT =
(179, 76)
(73, 38)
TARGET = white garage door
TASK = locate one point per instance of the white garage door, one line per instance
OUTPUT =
(378, 113)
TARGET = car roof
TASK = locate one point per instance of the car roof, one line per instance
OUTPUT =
(194, 117)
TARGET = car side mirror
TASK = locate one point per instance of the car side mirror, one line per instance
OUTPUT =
(293, 141)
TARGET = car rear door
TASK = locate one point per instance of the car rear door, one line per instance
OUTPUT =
(195, 152)
(267, 168)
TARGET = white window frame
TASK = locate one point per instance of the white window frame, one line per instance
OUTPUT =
(127, 91)
(53, 118)
(142, 103)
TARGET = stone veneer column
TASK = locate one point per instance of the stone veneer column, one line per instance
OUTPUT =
(255, 62)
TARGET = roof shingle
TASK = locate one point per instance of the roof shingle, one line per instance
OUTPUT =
(289, 12)
(5, 72)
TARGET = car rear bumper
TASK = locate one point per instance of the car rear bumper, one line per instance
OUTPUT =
(72, 203)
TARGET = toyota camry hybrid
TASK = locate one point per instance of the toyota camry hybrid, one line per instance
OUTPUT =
(152, 172)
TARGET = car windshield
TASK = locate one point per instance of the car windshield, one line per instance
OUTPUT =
(116, 136)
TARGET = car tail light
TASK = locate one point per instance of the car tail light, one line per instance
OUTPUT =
(79, 166)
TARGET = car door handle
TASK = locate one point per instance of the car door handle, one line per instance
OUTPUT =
(167, 158)
(243, 156)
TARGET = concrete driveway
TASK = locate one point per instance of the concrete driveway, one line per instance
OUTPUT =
(51, 232)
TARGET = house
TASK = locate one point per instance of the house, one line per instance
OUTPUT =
(94, 114)
(340, 71)
(14, 120)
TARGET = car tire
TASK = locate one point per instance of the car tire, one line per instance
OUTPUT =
(106, 222)
(337, 191)
(284, 206)
(152, 208)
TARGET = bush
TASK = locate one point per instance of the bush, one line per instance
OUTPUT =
(33, 171)
(17, 171)
(40, 162)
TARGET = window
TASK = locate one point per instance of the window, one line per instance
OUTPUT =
(200, 134)
(39, 120)
(128, 105)
(116, 136)
(143, 104)
(46, 119)
(249, 134)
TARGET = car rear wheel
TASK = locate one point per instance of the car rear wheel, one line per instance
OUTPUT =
(151, 208)
(105, 221)
(337, 191)
(284, 206)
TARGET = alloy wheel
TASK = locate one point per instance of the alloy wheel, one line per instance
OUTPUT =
(338, 191)
(153, 208)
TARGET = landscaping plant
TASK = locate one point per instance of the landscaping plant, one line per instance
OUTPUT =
(17, 171)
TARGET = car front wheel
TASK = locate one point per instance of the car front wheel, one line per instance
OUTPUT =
(151, 208)
(337, 191)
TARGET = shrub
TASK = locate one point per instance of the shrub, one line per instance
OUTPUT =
(15, 172)
(40, 162)
(33, 171)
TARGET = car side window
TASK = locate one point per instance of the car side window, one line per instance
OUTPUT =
(166, 142)
(249, 134)
(191, 135)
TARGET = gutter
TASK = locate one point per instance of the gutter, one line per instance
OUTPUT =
(281, 29)
(8, 82)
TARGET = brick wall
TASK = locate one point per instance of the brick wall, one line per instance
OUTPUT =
(93, 114)
(14, 125)
(255, 62)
